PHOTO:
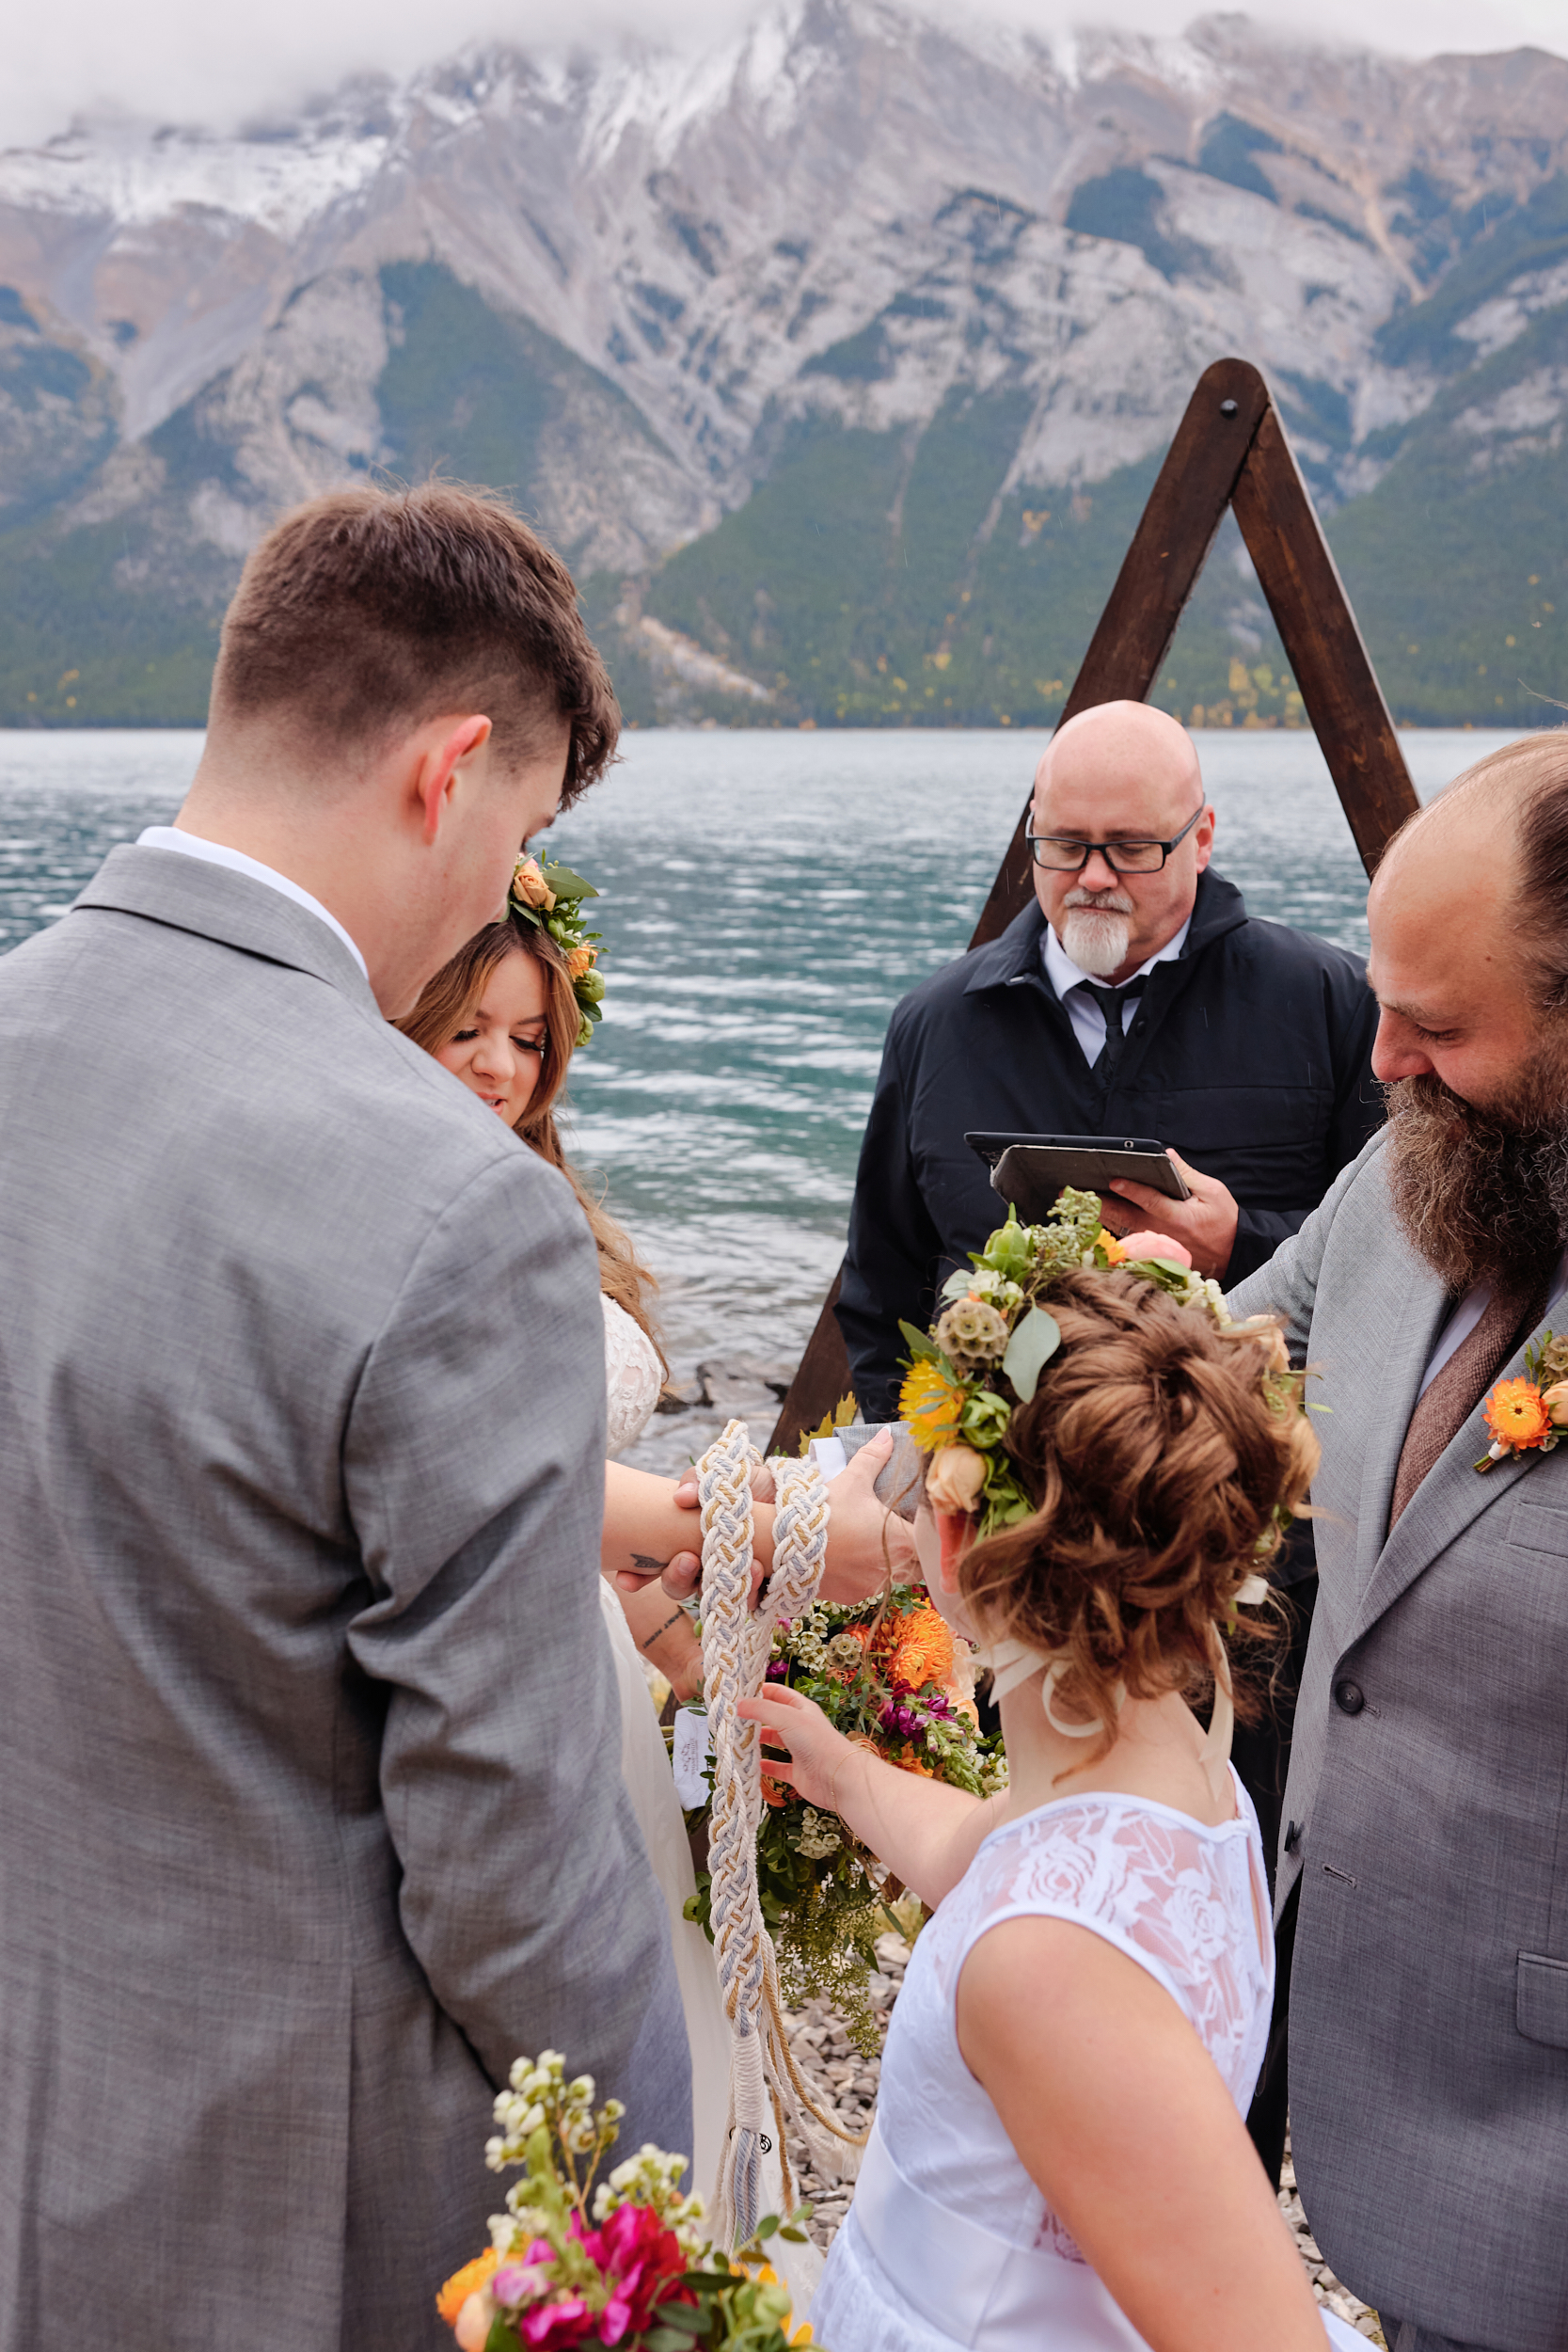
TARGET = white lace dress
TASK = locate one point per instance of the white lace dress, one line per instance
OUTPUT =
(948, 2242)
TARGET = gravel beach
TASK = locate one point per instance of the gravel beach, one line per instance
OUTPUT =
(847, 2082)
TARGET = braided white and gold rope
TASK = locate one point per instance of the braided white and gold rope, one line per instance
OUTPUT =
(737, 1641)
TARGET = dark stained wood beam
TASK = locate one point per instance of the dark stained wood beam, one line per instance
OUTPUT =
(1322, 645)
(1159, 573)
(1230, 450)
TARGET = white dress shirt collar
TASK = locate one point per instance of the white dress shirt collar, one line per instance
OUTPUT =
(1088, 1020)
(217, 854)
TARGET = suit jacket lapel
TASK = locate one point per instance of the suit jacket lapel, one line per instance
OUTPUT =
(1453, 1494)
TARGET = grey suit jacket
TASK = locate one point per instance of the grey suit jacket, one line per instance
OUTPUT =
(1426, 1816)
(311, 1814)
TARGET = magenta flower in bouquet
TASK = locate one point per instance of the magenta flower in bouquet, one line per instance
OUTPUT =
(623, 2265)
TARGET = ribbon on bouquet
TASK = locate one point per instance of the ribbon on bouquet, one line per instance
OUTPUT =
(765, 2083)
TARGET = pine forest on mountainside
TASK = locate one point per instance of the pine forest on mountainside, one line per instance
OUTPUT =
(879, 541)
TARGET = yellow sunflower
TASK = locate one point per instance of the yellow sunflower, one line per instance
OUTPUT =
(932, 1402)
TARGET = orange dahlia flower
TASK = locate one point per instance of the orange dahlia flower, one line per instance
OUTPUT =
(1115, 1252)
(465, 2283)
(920, 1651)
(1517, 1414)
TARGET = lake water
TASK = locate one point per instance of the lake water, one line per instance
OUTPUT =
(767, 899)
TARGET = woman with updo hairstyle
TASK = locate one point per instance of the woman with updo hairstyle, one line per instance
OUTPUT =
(1060, 2161)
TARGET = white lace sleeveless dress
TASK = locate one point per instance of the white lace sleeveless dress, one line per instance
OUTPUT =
(948, 2243)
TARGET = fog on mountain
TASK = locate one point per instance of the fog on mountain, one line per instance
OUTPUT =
(838, 359)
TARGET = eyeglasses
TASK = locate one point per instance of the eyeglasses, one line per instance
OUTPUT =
(1060, 855)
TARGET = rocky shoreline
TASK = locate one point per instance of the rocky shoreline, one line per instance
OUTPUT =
(847, 2082)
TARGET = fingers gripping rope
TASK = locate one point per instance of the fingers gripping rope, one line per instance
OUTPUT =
(735, 1645)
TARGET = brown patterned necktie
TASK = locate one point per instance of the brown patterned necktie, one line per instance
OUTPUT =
(1453, 1393)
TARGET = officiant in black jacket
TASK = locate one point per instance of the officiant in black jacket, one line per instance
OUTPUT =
(1135, 997)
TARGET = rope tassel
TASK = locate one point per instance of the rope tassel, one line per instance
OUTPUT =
(766, 2086)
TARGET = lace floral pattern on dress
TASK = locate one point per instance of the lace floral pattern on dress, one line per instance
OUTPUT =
(632, 1378)
(1183, 1901)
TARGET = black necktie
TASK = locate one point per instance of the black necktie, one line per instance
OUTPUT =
(1111, 1001)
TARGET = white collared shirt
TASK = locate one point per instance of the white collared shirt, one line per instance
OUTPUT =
(1072, 986)
(219, 853)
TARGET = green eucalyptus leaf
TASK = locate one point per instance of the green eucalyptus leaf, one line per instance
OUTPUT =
(502, 2337)
(566, 884)
(1036, 1336)
(919, 1344)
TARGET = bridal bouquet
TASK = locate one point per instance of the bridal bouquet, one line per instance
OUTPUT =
(889, 1675)
(632, 2269)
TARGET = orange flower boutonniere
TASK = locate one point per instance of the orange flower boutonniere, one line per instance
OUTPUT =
(1526, 1416)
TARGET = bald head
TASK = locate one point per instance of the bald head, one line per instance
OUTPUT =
(1132, 748)
(1120, 773)
(1469, 917)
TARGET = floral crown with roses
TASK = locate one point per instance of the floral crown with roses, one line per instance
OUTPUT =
(983, 1355)
(550, 897)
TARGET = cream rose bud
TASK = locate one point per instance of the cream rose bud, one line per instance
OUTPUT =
(956, 1479)
(529, 885)
(474, 2322)
(1556, 1402)
(1267, 1332)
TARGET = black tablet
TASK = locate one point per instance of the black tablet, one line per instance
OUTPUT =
(1031, 1171)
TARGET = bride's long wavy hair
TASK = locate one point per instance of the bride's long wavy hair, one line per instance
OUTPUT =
(1157, 1466)
(443, 1009)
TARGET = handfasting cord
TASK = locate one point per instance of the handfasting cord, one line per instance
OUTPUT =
(737, 1641)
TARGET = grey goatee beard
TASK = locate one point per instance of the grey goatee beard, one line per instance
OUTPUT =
(1095, 930)
(1482, 1192)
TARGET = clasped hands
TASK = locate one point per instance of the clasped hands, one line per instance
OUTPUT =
(867, 1542)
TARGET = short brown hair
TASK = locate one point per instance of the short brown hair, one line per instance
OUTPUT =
(1156, 1464)
(376, 606)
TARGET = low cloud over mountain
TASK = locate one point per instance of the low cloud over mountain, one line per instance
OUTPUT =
(838, 359)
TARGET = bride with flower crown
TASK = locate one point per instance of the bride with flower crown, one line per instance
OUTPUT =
(1060, 2161)
(505, 1017)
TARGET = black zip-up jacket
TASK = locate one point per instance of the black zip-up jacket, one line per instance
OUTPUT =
(1250, 1053)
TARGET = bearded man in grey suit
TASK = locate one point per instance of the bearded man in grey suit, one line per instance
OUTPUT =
(1426, 1836)
(307, 1722)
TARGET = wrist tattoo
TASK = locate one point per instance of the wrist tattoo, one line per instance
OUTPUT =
(649, 1566)
(659, 1631)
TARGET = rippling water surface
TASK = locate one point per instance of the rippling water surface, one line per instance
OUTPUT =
(767, 898)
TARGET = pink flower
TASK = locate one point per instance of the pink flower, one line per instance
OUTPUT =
(1155, 1245)
(556, 2326)
(641, 2259)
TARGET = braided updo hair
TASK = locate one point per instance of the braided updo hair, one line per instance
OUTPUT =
(1156, 1462)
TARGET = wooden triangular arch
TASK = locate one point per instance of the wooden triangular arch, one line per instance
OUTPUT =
(1230, 450)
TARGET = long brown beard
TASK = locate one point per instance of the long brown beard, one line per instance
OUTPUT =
(1482, 1193)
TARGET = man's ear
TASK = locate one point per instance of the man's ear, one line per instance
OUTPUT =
(1203, 840)
(455, 744)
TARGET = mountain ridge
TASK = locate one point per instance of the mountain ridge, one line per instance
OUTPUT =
(836, 353)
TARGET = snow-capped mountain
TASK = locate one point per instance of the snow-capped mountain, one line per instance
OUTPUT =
(641, 286)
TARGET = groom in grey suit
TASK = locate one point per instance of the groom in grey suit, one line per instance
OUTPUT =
(1426, 1837)
(310, 1813)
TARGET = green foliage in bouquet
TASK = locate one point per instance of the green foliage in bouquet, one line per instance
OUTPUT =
(888, 1674)
(624, 2265)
